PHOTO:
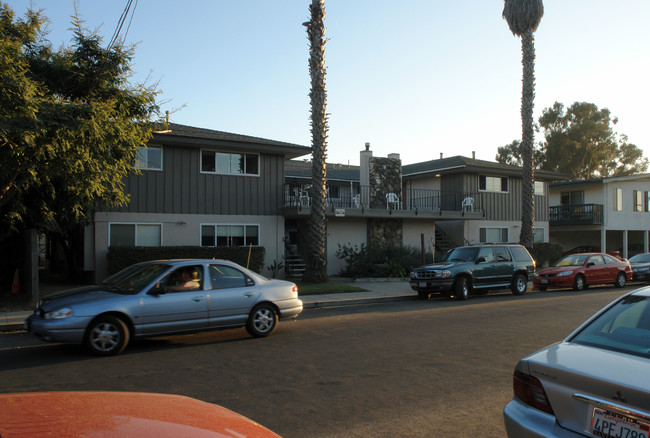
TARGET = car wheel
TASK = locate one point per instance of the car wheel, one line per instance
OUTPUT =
(107, 335)
(579, 282)
(519, 284)
(262, 321)
(423, 295)
(461, 288)
(620, 280)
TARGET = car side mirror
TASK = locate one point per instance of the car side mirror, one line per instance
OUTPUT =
(480, 260)
(157, 290)
(591, 264)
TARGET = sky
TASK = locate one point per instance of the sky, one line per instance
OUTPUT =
(419, 78)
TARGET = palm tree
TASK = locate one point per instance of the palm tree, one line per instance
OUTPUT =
(316, 270)
(523, 17)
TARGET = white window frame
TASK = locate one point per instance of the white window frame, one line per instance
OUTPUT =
(540, 230)
(231, 173)
(501, 230)
(539, 188)
(491, 179)
(215, 225)
(637, 200)
(618, 199)
(136, 225)
(142, 161)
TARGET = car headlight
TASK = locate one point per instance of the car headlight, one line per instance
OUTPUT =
(412, 275)
(445, 274)
(59, 314)
(564, 273)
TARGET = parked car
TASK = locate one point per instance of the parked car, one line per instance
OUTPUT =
(164, 297)
(578, 271)
(593, 383)
(476, 269)
(640, 267)
(119, 414)
(590, 248)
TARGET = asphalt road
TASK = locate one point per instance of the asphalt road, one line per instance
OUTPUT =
(412, 368)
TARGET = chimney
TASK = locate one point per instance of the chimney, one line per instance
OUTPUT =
(473, 155)
(441, 155)
(364, 166)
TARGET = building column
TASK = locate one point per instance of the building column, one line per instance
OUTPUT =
(603, 240)
(645, 241)
(624, 253)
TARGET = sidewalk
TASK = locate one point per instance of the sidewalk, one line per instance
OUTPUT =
(379, 290)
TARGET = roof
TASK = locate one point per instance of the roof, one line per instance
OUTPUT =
(471, 165)
(201, 137)
(584, 182)
(335, 172)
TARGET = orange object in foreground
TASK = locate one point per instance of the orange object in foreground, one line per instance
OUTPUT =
(119, 414)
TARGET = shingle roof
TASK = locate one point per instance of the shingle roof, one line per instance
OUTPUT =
(464, 164)
(202, 136)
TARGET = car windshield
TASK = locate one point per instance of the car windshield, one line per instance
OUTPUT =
(625, 327)
(134, 278)
(572, 260)
(640, 258)
(462, 254)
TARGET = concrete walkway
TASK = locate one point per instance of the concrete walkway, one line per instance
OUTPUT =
(378, 290)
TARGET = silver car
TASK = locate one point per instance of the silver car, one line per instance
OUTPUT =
(163, 297)
(596, 382)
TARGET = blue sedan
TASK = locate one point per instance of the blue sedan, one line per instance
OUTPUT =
(164, 297)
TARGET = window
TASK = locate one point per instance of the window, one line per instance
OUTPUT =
(493, 235)
(135, 235)
(539, 188)
(618, 199)
(149, 158)
(230, 235)
(226, 163)
(492, 183)
(646, 201)
(226, 277)
(637, 200)
(502, 254)
(572, 198)
(487, 254)
(538, 235)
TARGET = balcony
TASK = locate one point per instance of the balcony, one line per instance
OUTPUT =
(580, 214)
(366, 200)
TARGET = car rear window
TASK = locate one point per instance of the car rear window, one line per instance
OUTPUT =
(520, 254)
(625, 327)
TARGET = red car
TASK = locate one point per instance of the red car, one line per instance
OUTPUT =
(120, 414)
(581, 270)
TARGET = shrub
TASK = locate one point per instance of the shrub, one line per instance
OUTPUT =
(375, 261)
(120, 257)
(545, 253)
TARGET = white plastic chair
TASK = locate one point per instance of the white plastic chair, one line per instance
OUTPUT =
(392, 198)
(468, 203)
(356, 201)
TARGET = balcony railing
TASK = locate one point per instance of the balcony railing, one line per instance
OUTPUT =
(366, 197)
(581, 214)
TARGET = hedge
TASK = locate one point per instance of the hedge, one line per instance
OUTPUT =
(120, 257)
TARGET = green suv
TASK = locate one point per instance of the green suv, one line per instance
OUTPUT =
(476, 269)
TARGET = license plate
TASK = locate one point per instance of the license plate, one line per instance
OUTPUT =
(544, 281)
(422, 284)
(609, 425)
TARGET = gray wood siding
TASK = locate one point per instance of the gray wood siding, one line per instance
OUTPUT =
(497, 206)
(181, 188)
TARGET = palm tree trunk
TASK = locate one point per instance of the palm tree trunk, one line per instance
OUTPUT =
(528, 137)
(316, 271)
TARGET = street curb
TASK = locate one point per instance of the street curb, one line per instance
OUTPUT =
(356, 302)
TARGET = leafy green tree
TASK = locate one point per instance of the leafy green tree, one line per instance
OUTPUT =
(579, 141)
(316, 271)
(523, 17)
(71, 125)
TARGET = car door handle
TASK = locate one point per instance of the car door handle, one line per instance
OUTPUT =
(249, 294)
(197, 299)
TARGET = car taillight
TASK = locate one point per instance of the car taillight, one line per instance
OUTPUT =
(294, 289)
(529, 390)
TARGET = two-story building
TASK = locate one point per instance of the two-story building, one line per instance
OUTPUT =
(609, 213)
(210, 188)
